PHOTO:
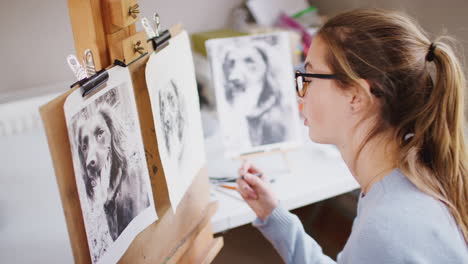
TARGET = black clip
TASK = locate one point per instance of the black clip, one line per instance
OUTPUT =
(89, 84)
(161, 41)
(94, 79)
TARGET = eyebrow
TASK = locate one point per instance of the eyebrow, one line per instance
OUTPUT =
(308, 64)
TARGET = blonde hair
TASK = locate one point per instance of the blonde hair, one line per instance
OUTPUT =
(420, 88)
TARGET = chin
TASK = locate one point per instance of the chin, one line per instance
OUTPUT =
(319, 139)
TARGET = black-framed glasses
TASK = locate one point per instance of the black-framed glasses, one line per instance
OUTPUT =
(302, 83)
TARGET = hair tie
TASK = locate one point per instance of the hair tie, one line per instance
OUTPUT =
(430, 54)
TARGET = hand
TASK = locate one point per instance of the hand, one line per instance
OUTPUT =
(256, 191)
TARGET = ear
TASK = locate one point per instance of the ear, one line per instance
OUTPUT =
(359, 96)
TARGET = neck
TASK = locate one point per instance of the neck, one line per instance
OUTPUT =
(376, 159)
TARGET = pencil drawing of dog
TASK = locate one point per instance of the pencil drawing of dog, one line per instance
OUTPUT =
(112, 182)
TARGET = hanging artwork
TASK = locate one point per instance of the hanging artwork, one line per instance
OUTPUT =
(170, 77)
(110, 166)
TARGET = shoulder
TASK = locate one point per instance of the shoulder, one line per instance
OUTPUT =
(405, 219)
(401, 204)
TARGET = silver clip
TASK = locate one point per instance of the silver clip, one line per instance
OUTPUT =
(89, 63)
(148, 29)
(76, 67)
(157, 23)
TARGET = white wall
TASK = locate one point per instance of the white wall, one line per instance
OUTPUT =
(36, 37)
(435, 16)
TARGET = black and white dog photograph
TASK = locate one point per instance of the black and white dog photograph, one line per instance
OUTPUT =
(110, 167)
(254, 87)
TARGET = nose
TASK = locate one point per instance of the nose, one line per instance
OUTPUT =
(235, 75)
(91, 164)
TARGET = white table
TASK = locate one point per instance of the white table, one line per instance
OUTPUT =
(317, 172)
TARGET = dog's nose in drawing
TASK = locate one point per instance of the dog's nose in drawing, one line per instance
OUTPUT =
(91, 165)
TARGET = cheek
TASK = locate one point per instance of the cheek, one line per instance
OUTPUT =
(104, 142)
(315, 109)
(107, 139)
(323, 110)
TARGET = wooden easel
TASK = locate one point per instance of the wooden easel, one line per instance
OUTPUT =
(107, 27)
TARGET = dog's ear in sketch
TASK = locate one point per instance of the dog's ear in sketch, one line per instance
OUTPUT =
(82, 148)
(110, 208)
(118, 140)
(163, 110)
(268, 95)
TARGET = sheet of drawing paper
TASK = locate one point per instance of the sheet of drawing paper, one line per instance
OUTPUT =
(253, 78)
(110, 166)
(170, 77)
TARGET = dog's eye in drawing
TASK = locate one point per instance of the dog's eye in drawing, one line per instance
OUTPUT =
(249, 60)
(171, 100)
(84, 144)
(100, 133)
(230, 63)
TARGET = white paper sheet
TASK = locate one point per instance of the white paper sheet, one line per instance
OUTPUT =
(170, 77)
(110, 166)
(253, 78)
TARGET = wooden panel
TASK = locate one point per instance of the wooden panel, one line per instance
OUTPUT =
(119, 12)
(106, 16)
(203, 248)
(213, 250)
(128, 46)
(88, 30)
(56, 129)
(115, 44)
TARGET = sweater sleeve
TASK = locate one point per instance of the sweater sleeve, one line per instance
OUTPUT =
(285, 231)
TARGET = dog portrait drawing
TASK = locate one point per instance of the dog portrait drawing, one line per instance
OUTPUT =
(111, 169)
(173, 119)
(252, 92)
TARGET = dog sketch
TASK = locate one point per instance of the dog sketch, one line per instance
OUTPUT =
(173, 118)
(112, 181)
(252, 90)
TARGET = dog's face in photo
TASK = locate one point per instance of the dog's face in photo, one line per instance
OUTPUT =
(95, 144)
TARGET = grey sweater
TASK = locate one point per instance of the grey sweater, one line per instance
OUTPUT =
(395, 223)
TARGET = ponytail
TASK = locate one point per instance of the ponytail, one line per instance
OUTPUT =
(436, 157)
(421, 93)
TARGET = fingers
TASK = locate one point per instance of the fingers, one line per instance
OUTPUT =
(247, 166)
(245, 190)
(256, 183)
